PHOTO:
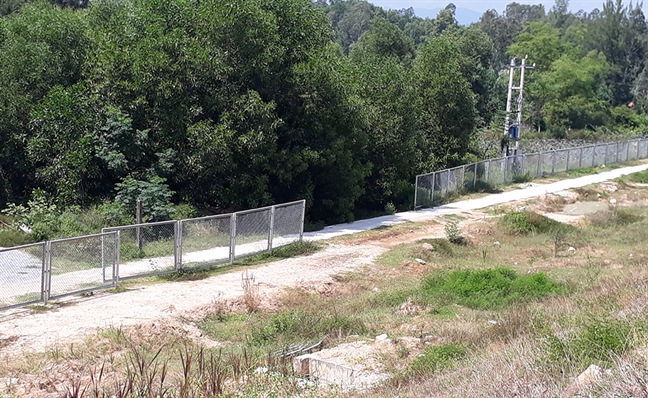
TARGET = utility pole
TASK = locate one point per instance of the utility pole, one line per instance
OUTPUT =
(513, 130)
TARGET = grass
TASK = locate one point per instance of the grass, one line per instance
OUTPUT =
(511, 319)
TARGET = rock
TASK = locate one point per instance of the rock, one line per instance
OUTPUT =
(590, 376)
(381, 337)
(375, 289)
(428, 246)
(261, 370)
(571, 250)
(492, 322)
(420, 261)
(613, 201)
(496, 243)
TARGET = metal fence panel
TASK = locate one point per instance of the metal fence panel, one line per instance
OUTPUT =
(21, 270)
(470, 176)
(455, 179)
(497, 170)
(587, 157)
(205, 241)
(599, 155)
(560, 164)
(80, 264)
(643, 148)
(252, 232)
(424, 190)
(573, 158)
(146, 249)
(633, 150)
(287, 224)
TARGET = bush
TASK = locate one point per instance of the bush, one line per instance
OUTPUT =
(523, 223)
(488, 289)
(614, 217)
(453, 233)
(436, 358)
(10, 238)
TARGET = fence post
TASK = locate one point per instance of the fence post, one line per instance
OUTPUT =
(416, 192)
(568, 156)
(540, 162)
(488, 174)
(463, 177)
(432, 191)
(580, 158)
(506, 162)
(177, 231)
(553, 162)
(475, 175)
(303, 217)
(232, 237)
(594, 154)
(138, 220)
(627, 151)
(46, 276)
(617, 152)
(272, 213)
(117, 259)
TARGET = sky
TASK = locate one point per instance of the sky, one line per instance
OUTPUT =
(483, 5)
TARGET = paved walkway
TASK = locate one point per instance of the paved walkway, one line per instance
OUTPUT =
(472, 204)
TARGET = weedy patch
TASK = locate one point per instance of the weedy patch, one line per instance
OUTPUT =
(436, 358)
(527, 222)
(488, 289)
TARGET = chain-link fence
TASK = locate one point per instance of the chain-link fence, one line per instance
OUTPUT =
(37, 272)
(433, 187)
(21, 274)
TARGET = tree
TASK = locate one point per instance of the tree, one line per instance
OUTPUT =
(446, 102)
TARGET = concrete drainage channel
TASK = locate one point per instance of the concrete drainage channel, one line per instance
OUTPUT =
(349, 366)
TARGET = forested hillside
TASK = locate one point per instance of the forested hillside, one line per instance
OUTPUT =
(227, 105)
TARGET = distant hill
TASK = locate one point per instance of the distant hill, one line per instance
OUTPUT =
(464, 16)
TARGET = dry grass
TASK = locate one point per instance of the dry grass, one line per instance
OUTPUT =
(536, 349)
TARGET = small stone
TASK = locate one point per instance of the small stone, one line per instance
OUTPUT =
(420, 355)
(496, 243)
(375, 289)
(613, 201)
(631, 255)
(420, 261)
(261, 370)
(607, 262)
(381, 337)
(590, 375)
(492, 322)
(515, 263)
(428, 246)
(571, 250)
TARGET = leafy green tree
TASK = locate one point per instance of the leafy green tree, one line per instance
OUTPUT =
(446, 101)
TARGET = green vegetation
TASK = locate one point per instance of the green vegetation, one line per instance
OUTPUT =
(437, 358)
(487, 289)
(527, 222)
(342, 102)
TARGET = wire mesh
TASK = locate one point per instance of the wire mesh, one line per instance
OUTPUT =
(205, 241)
(424, 190)
(587, 157)
(497, 170)
(252, 232)
(21, 270)
(573, 158)
(470, 177)
(146, 249)
(642, 149)
(633, 150)
(531, 163)
(455, 179)
(286, 225)
(79, 264)
(599, 155)
(560, 165)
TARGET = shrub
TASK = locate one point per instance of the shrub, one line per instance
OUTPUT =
(438, 357)
(526, 222)
(614, 217)
(453, 233)
(488, 289)
(10, 237)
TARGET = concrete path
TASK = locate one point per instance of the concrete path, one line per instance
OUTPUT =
(472, 204)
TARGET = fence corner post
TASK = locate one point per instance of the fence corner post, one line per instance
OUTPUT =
(303, 217)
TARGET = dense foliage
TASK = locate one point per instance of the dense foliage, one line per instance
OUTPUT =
(233, 105)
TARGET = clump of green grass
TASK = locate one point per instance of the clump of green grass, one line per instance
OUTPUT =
(295, 249)
(598, 339)
(10, 238)
(614, 217)
(438, 357)
(640, 177)
(488, 289)
(294, 326)
(528, 222)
